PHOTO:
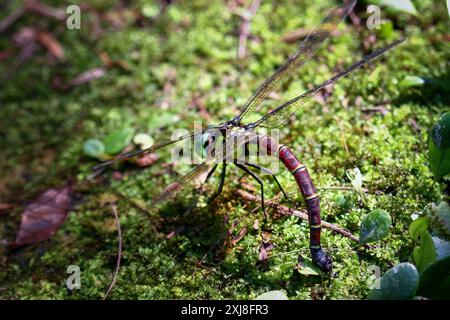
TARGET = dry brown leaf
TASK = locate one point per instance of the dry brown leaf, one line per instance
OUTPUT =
(44, 10)
(43, 217)
(49, 42)
(85, 77)
(24, 36)
(146, 160)
(5, 206)
(9, 20)
(264, 249)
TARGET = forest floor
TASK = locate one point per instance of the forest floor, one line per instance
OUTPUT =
(172, 64)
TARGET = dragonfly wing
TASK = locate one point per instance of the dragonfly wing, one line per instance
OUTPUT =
(280, 115)
(308, 48)
(153, 148)
(173, 188)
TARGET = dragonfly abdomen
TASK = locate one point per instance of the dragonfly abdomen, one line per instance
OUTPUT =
(309, 192)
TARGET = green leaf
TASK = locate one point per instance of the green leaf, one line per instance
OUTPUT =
(435, 280)
(400, 5)
(418, 226)
(442, 247)
(375, 226)
(94, 148)
(425, 253)
(440, 219)
(440, 134)
(117, 141)
(307, 268)
(411, 81)
(439, 147)
(398, 283)
(143, 140)
(272, 295)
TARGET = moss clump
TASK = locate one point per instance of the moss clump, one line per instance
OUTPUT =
(174, 55)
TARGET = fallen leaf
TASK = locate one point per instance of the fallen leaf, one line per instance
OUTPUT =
(43, 217)
(24, 36)
(48, 41)
(264, 249)
(44, 10)
(5, 206)
(85, 77)
(146, 160)
(9, 20)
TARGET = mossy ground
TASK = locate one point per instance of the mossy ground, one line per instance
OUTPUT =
(189, 50)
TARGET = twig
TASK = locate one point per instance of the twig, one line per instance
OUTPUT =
(341, 188)
(9, 20)
(300, 214)
(244, 31)
(201, 265)
(119, 252)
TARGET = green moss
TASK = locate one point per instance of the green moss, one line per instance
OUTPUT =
(192, 47)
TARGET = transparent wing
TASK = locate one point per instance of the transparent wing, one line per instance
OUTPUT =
(173, 188)
(306, 50)
(280, 115)
(224, 152)
(153, 148)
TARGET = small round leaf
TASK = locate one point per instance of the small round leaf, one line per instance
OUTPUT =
(398, 283)
(117, 141)
(375, 226)
(272, 295)
(143, 140)
(94, 148)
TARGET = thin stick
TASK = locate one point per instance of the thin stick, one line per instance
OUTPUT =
(300, 214)
(119, 251)
(9, 20)
(341, 188)
(244, 31)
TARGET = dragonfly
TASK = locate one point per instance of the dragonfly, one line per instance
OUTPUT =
(217, 138)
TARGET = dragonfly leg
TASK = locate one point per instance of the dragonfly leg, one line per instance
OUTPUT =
(270, 172)
(210, 173)
(221, 183)
(260, 182)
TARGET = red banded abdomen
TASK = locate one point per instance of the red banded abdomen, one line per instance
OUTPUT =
(301, 175)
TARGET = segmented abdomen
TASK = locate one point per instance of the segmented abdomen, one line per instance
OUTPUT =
(301, 175)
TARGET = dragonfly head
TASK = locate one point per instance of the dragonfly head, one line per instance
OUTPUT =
(235, 122)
